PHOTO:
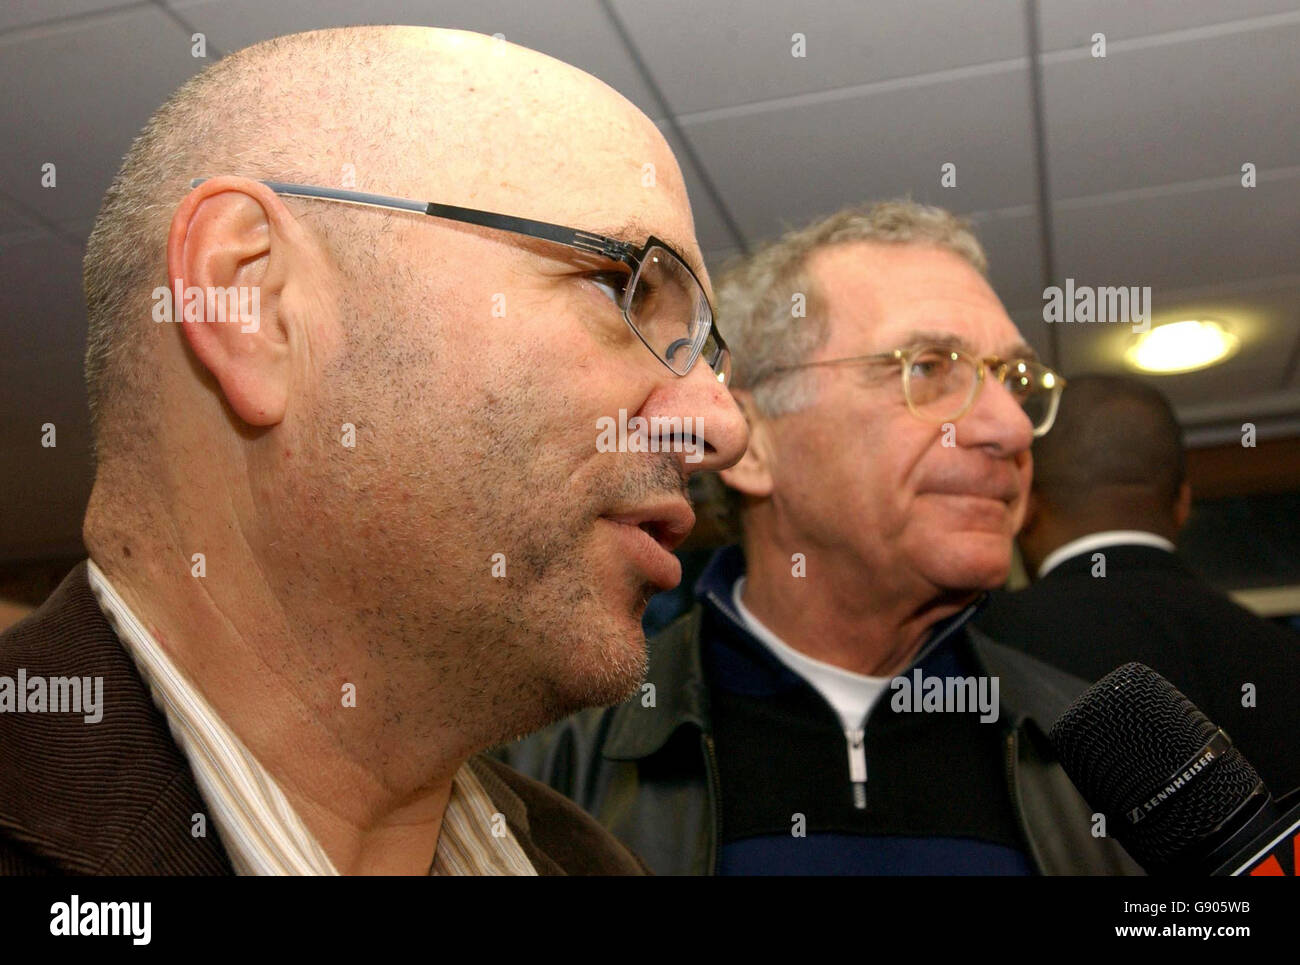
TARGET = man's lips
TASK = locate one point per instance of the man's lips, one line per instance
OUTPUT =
(980, 507)
(1006, 492)
(650, 533)
(996, 496)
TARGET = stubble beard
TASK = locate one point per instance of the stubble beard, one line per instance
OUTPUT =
(507, 655)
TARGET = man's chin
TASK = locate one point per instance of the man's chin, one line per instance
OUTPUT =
(558, 698)
(599, 672)
(978, 562)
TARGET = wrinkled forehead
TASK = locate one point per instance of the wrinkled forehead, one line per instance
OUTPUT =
(882, 297)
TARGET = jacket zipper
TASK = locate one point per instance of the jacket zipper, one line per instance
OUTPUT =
(855, 742)
(857, 766)
(1013, 793)
(1010, 746)
(715, 840)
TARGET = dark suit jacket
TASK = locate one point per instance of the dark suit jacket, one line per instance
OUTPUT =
(1151, 608)
(117, 796)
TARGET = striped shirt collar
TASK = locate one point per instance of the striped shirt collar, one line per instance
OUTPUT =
(261, 832)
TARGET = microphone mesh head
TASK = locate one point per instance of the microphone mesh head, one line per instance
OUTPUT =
(1126, 741)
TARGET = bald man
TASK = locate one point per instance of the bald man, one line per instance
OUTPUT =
(1108, 500)
(361, 304)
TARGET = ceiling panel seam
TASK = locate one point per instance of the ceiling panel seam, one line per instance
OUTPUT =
(688, 149)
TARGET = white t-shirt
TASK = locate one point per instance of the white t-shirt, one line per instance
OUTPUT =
(851, 694)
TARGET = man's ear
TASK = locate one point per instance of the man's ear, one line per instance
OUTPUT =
(1182, 506)
(229, 252)
(753, 474)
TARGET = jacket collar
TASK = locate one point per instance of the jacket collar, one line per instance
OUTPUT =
(680, 694)
(114, 797)
(512, 806)
(1028, 689)
(676, 666)
(118, 797)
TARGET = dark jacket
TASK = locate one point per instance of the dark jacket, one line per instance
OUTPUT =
(652, 777)
(1152, 608)
(116, 797)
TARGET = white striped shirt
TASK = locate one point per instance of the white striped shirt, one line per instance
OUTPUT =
(261, 832)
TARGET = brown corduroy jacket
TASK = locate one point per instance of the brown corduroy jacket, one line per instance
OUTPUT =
(117, 797)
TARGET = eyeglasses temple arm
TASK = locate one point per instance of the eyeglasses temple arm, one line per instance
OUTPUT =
(337, 194)
(588, 241)
(572, 237)
(855, 360)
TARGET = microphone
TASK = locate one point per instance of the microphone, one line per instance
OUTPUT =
(1174, 790)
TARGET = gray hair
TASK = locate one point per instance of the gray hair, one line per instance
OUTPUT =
(197, 132)
(757, 296)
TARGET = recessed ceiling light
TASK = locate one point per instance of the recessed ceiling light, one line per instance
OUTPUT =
(1182, 347)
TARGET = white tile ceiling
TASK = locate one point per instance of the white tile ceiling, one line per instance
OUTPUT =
(1143, 156)
(575, 31)
(25, 13)
(739, 53)
(1172, 113)
(1071, 23)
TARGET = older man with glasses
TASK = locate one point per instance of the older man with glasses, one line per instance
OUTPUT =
(826, 707)
(340, 548)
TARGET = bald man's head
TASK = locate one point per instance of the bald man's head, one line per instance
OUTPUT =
(438, 114)
(404, 449)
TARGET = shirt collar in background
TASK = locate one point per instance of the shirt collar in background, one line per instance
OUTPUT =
(261, 832)
(1096, 541)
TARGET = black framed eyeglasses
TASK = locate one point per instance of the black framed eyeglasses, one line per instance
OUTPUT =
(662, 302)
(941, 384)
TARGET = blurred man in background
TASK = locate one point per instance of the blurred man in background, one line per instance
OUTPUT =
(891, 404)
(1109, 498)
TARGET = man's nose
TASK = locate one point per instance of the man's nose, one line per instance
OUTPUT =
(996, 421)
(717, 434)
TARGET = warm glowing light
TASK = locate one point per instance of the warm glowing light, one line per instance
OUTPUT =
(1182, 347)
